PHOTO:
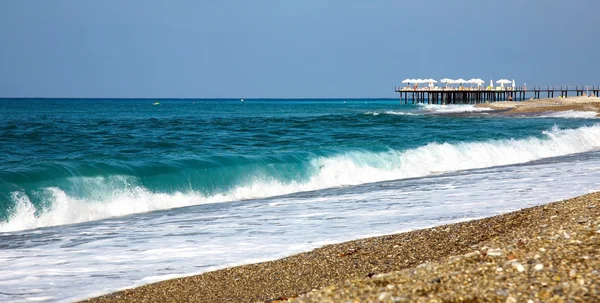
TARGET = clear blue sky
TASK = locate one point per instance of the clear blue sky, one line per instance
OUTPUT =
(308, 48)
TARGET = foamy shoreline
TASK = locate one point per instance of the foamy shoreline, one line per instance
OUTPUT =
(547, 252)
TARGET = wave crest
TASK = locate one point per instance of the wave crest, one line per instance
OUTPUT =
(124, 196)
(452, 108)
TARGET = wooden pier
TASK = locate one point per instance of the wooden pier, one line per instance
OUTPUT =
(473, 96)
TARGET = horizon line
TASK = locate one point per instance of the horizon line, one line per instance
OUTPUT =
(202, 98)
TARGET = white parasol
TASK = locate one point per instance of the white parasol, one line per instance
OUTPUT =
(430, 81)
(503, 81)
(407, 81)
(447, 81)
(479, 82)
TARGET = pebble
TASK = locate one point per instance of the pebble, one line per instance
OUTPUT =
(572, 273)
(539, 266)
(518, 266)
(383, 296)
(494, 252)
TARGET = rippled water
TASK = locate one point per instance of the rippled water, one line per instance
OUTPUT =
(98, 195)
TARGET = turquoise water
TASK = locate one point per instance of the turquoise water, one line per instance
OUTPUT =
(98, 195)
(90, 149)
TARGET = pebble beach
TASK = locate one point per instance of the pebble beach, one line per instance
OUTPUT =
(547, 253)
(580, 103)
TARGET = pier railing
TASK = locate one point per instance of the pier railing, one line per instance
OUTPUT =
(470, 95)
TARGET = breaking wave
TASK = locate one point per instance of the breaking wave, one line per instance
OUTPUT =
(121, 194)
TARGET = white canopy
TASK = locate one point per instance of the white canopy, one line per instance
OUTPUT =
(431, 81)
(503, 81)
(475, 81)
(446, 80)
(407, 81)
(461, 80)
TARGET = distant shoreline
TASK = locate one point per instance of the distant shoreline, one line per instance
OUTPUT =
(193, 99)
(546, 105)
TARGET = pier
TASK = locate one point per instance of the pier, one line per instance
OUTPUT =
(479, 95)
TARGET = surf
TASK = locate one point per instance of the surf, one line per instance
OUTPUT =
(119, 195)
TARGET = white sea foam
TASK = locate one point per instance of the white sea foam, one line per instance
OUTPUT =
(389, 112)
(570, 114)
(351, 168)
(106, 256)
(452, 108)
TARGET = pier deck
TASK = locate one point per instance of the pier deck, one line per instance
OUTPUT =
(472, 96)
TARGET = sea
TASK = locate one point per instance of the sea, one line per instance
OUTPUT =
(99, 195)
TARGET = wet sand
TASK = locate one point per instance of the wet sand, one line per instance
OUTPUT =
(545, 105)
(548, 253)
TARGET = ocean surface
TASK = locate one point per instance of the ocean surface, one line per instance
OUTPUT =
(99, 195)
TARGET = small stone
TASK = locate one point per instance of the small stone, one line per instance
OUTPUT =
(573, 273)
(518, 266)
(384, 275)
(552, 217)
(511, 300)
(539, 266)
(494, 252)
(383, 295)
(472, 254)
(542, 249)
(499, 269)
(566, 235)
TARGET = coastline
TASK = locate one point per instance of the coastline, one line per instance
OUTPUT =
(421, 265)
(545, 105)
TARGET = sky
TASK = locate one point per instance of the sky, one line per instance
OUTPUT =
(288, 49)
